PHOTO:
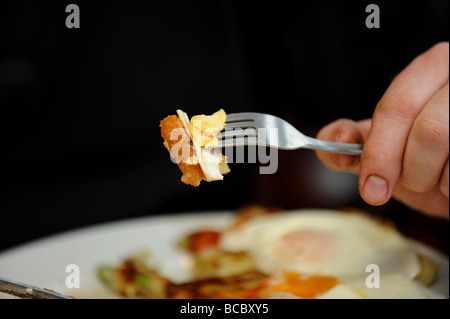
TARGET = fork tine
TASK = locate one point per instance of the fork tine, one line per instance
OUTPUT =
(240, 117)
(241, 141)
(240, 130)
(250, 131)
(240, 124)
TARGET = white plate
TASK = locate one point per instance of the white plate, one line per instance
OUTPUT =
(43, 262)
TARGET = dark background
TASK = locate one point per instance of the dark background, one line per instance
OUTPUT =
(81, 107)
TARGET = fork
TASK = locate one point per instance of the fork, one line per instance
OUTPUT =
(246, 129)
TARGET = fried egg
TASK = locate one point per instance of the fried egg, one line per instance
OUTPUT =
(392, 286)
(322, 242)
(290, 285)
(325, 254)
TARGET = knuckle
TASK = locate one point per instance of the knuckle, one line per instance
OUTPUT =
(397, 106)
(441, 48)
(438, 52)
(324, 133)
(344, 122)
(410, 181)
(430, 133)
(330, 131)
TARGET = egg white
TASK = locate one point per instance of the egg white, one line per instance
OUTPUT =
(331, 243)
(392, 286)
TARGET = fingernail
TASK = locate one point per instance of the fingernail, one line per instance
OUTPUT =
(375, 190)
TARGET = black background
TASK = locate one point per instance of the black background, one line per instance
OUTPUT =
(81, 107)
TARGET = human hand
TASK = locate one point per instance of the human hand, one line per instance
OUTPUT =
(406, 143)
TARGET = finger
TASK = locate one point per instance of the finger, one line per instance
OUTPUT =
(381, 160)
(433, 203)
(427, 146)
(343, 131)
(443, 183)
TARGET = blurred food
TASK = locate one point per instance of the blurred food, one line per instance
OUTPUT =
(134, 278)
(271, 253)
(322, 242)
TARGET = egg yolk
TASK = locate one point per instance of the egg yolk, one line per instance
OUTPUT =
(308, 245)
(305, 287)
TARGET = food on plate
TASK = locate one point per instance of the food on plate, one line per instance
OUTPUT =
(272, 253)
(134, 278)
(322, 242)
(192, 144)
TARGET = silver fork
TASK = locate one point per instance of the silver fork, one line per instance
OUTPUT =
(246, 129)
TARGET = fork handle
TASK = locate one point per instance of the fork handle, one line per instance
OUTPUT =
(334, 147)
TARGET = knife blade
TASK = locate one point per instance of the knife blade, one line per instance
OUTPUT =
(25, 291)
